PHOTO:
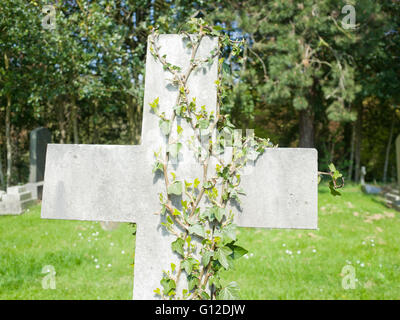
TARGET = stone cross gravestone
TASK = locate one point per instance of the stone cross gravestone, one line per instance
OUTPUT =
(39, 139)
(398, 158)
(116, 183)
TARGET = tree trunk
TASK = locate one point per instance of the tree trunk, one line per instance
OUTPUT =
(131, 121)
(95, 121)
(61, 122)
(306, 129)
(358, 141)
(138, 125)
(1, 171)
(385, 167)
(74, 115)
(8, 140)
(351, 165)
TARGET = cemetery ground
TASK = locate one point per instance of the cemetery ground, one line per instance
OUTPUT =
(90, 263)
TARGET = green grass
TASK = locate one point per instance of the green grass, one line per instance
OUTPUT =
(28, 243)
(354, 229)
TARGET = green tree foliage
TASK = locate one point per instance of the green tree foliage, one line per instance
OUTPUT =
(301, 79)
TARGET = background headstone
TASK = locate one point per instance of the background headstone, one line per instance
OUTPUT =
(39, 138)
(368, 188)
(15, 201)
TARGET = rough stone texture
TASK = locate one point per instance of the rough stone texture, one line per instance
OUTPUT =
(15, 201)
(398, 158)
(36, 189)
(39, 138)
(392, 198)
(115, 183)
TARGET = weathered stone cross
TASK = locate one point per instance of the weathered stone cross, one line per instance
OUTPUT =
(115, 183)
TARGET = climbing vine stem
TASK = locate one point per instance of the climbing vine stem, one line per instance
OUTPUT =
(203, 226)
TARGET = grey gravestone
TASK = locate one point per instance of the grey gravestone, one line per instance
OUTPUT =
(15, 201)
(115, 183)
(398, 158)
(368, 188)
(39, 138)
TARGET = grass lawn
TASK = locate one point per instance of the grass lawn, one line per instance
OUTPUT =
(91, 263)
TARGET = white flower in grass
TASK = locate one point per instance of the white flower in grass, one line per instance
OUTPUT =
(298, 251)
(97, 266)
(95, 260)
(109, 265)
(313, 250)
(112, 244)
(284, 245)
(123, 251)
(362, 265)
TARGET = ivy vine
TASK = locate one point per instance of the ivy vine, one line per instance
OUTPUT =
(202, 213)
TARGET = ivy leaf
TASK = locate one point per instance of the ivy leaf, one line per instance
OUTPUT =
(205, 295)
(334, 192)
(214, 280)
(206, 258)
(219, 213)
(175, 188)
(229, 233)
(165, 126)
(154, 104)
(237, 251)
(179, 129)
(222, 256)
(158, 166)
(157, 291)
(226, 68)
(168, 285)
(192, 282)
(332, 167)
(174, 149)
(207, 213)
(177, 246)
(188, 265)
(197, 229)
(203, 123)
(207, 185)
(178, 110)
(230, 292)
